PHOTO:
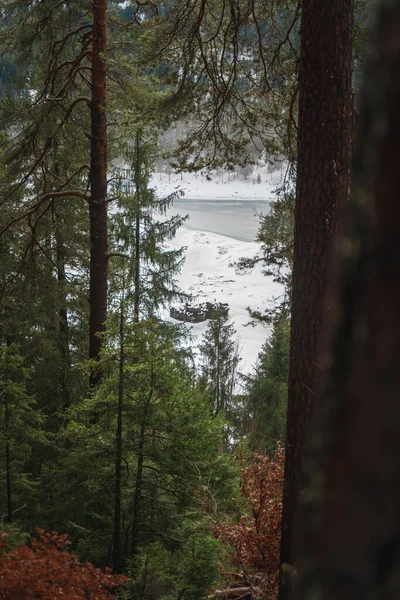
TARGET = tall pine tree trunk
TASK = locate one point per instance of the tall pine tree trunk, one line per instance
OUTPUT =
(98, 180)
(324, 141)
(352, 514)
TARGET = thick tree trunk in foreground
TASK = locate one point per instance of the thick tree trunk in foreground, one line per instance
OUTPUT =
(352, 515)
(324, 141)
(98, 178)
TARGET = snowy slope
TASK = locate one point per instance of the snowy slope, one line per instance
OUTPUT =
(208, 275)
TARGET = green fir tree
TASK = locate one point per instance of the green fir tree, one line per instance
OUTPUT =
(266, 391)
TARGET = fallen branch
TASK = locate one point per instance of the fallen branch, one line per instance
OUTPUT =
(238, 592)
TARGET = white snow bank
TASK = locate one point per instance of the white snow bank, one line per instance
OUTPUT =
(208, 275)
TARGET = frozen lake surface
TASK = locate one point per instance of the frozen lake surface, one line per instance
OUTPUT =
(237, 219)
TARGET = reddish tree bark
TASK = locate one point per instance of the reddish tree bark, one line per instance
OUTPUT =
(324, 142)
(98, 180)
(352, 514)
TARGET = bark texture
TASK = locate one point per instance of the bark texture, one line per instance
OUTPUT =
(324, 143)
(98, 179)
(352, 506)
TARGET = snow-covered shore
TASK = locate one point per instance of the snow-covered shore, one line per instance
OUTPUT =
(208, 272)
(209, 275)
(221, 185)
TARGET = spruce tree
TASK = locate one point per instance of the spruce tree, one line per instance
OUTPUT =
(140, 230)
(170, 441)
(148, 271)
(219, 361)
(21, 430)
(266, 392)
(275, 235)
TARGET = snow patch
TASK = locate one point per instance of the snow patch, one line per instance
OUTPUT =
(208, 275)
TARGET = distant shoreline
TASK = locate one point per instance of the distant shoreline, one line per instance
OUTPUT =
(235, 219)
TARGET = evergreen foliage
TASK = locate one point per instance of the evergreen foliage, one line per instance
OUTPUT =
(138, 468)
(226, 69)
(219, 361)
(275, 235)
(266, 391)
(173, 478)
(21, 429)
(140, 230)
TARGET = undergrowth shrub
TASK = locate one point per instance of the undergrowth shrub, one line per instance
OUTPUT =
(44, 569)
(256, 538)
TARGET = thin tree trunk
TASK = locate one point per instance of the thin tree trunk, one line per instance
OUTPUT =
(324, 142)
(137, 499)
(63, 328)
(118, 447)
(98, 179)
(218, 402)
(8, 475)
(8, 461)
(136, 307)
(6, 435)
(218, 397)
(352, 515)
(138, 490)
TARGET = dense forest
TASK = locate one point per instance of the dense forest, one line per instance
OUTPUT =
(134, 462)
